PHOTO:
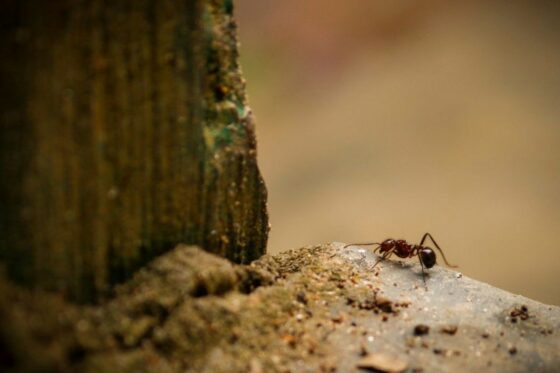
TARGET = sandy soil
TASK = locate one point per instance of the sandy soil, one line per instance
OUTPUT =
(320, 308)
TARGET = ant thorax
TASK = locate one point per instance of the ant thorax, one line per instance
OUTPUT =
(402, 249)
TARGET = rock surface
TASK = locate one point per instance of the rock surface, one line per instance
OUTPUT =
(319, 308)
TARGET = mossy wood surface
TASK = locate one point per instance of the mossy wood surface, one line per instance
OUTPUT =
(124, 131)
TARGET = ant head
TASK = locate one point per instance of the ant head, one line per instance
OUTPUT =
(428, 257)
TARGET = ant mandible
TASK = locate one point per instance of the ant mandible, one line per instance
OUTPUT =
(402, 249)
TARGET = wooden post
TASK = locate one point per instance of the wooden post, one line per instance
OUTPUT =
(124, 130)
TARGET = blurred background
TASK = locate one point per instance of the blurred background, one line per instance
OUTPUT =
(380, 119)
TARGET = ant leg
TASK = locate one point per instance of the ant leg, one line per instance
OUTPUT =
(426, 235)
(358, 244)
(363, 257)
(385, 255)
(423, 271)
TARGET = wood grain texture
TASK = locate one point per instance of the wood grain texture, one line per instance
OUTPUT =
(124, 131)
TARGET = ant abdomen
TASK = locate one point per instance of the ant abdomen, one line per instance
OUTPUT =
(428, 257)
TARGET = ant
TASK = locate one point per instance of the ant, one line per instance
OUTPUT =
(402, 249)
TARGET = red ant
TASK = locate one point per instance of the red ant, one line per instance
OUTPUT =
(402, 249)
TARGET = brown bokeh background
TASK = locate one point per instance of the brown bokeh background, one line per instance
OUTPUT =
(380, 119)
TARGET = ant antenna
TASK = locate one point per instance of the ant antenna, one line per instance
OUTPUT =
(362, 244)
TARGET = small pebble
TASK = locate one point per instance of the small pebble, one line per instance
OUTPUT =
(421, 329)
(449, 329)
(363, 350)
(383, 363)
(301, 297)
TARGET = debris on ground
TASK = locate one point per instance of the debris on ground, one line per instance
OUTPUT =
(319, 308)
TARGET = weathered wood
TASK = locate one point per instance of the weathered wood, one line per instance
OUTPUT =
(124, 131)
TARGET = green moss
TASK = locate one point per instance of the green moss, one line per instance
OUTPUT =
(228, 6)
